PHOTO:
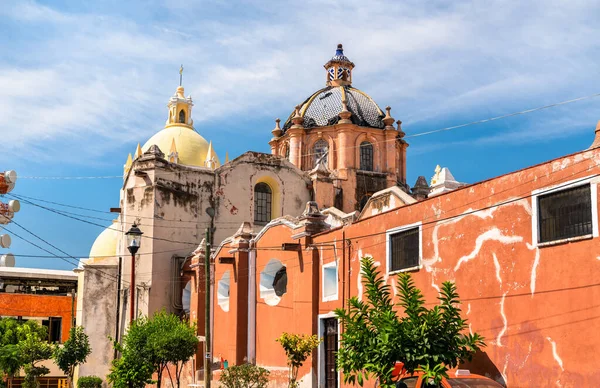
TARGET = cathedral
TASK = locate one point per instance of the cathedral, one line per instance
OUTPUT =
(337, 149)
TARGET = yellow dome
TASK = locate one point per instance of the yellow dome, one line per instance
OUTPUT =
(191, 147)
(105, 246)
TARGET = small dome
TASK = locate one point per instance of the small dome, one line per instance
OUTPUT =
(105, 246)
(191, 147)
(323, 107)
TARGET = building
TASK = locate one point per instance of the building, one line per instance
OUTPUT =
(522, 248)
(337, 148)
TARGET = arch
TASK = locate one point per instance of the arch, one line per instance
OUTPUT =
(263, 201)
(275, 185)
(223, 291)
(366, 156)
(182, 116)
(377, 144)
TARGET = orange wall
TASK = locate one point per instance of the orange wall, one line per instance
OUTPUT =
(537, 307)
(27, 305)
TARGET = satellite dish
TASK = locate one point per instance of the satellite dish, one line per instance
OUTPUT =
(7, 260)
(5, 241)
(14, 205)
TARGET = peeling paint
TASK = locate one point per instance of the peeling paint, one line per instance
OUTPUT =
(491, 235)
(497, 265)
(555, 353)
(536, 262)
(504, 320)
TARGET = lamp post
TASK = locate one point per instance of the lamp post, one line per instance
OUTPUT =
(134, 240)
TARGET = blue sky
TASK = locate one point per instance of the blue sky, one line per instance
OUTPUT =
(81, 83)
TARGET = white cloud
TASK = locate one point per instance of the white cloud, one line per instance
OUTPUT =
(91, 79)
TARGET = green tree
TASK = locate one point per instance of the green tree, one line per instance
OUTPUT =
(297, 349)
(33, 350)
(170, 341)
(10, 362)
(244, 376)
(375, 337)
(134, 368)
(73, 352)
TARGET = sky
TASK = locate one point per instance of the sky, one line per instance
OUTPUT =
(83, 82)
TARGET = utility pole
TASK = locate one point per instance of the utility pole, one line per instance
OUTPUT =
(207, 339)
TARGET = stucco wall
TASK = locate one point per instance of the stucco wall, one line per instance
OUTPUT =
(537, 306)
(98, 317)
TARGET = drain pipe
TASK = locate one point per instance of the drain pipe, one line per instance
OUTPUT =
(251, 303)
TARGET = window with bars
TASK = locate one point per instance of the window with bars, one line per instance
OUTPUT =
(366, 156)
(320, 150)
(404, 249)
(565, 214)
(262, 203)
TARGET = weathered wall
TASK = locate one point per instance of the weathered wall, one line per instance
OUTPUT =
(537, 306)
(99, 317)
(43, 306)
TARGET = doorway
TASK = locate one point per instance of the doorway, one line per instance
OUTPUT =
(330, 348)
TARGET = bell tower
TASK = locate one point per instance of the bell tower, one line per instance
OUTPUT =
(180, 107)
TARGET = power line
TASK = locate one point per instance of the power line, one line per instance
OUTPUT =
(482, 121)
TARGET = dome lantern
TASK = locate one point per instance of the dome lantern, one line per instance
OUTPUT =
(180, 107)
(339, 69)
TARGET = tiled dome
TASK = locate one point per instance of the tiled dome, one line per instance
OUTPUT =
(323, 107)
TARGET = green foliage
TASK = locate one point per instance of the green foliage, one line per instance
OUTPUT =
(73, 352)
(133, 369)
(297, 349)
(375, 338)
(13, 331)
(10, 360)
(89, 382)
(33, 349)
(245, 376)
(150, 346)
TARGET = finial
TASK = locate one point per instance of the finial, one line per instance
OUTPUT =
(388, 120)
(180, 75)
(173, 145)
(226, 157)
(400, 132)
(277, 130)
(128, 164)
(340, 49)
(297, 119)
(345, 114)
(138, 151)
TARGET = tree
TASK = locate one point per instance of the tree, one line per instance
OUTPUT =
(297, 349)
(73, 352)
(375, 338)
(10, 361)
(244, 376)
(33, 349)
(134, 368)
(150, 346)
(171, 341)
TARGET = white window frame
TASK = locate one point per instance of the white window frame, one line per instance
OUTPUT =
(321, 356)
(388, 251)
(535, 234)
(337, 291)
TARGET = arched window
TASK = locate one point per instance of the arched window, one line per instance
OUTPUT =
(366, 156)
(182, 116)
(320, 150)
(263, 197)
(287, 151)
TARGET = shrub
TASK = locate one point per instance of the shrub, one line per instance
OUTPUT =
(245, 376)
(89, 382)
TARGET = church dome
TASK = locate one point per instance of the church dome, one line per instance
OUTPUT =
(192, 148)
(322, 108)
(105, 246)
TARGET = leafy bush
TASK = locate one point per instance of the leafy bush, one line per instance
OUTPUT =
(297, 349)
(89, 382)
(245, 375)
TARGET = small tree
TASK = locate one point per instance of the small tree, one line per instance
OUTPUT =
(134, 368)
(245, 376)
(170, 341)
(74, 352)
(33, 350)
(297, 349)
(375, 338)
(10, 362)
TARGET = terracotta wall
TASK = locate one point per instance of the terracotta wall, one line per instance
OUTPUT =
(44, 306)
(537, 306)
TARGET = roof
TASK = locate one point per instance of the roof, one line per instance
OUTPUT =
(323, 107)
(37, 273)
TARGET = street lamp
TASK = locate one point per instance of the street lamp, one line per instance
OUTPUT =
(134, 240)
